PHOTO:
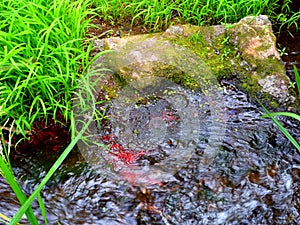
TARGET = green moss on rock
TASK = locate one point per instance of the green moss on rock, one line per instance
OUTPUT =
(244, 52)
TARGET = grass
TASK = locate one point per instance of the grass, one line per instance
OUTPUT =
(280, 127)
(289, 21)
(297, 79)
(6, 172)
(288, 18)
(43, 53)
(160, 14)
(82, 90)
(24, 208)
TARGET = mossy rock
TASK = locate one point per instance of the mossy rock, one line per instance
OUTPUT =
(245, 51)
(155, 55)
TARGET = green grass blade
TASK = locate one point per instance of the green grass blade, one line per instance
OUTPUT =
(289, 114)
(282, 129)
(7, 173)
(55, 166)
(42, 208)
(297, 78)
(16, 218)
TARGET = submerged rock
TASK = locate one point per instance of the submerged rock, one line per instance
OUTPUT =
(244, 52)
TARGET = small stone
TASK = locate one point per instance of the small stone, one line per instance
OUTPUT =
(275, 87)
(175, 30)
(99, 44)
(294, 53)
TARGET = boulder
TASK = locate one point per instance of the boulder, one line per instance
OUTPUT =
(197, 56)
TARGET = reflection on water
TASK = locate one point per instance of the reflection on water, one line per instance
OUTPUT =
(253, 180)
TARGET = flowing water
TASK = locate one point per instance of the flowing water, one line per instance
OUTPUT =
(254, 179)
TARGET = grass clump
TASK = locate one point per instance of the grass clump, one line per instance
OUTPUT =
(41, 54)
(160, 14)
(287, 17)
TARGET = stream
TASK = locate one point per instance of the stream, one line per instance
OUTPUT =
(254, 179)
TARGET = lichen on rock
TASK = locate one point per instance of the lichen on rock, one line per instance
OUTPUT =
(254, 37)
